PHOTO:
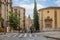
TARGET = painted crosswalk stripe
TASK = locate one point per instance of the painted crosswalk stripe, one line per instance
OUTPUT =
(35, 35)
(15, 35)
(25, 35)
(20, 35)
(8, 36)
(30, 35)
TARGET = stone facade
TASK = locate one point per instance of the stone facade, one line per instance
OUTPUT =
(49, 18)
(28, 22)
(3, 9)
(9, 8)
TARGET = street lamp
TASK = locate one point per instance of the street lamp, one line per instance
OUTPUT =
(4, 17)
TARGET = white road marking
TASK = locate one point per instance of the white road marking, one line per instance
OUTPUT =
(8, 36)
(20, 35)
(25, 35)
(15, 35)
(35, 35)
(30, 35)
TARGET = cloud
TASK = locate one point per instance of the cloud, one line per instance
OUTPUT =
(26, 0)
(15, 2)
(29, 8)
(43, 0)
(57, 2)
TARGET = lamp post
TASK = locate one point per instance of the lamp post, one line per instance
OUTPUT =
(4, 17)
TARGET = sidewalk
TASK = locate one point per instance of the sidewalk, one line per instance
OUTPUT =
(7, 34)
(53, 34)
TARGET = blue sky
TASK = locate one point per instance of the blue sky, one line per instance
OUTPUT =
(29, 5)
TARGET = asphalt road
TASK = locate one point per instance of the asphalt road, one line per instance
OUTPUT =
(24, 36)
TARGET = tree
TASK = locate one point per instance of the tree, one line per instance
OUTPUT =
(1, 21)
(36, 22)
(14, 20)
(1, 26)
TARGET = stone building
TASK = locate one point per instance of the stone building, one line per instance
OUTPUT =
(49, 18)
(28, 23)
(3, 9)
(7, 9)
(21, 12)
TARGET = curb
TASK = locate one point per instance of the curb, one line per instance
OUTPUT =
(52, 37)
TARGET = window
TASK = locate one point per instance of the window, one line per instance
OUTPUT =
(19, 13)
(47, 11)
(15, 10)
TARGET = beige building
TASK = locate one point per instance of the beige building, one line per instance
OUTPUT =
(7, 9)
(49, 18)
(21, 12)
(28, 22)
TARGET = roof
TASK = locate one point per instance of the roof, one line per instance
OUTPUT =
(18, 7)
(49, 8)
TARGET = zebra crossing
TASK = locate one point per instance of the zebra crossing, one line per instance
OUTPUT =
(23, 35)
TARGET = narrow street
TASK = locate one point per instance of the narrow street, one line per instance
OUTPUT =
(25, 36)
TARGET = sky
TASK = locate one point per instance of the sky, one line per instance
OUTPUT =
(29, 5)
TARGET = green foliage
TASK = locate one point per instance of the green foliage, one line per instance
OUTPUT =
(1, 19)
(36, 22)
(14, 20)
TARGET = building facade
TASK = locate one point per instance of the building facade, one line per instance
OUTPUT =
(28, 22)
(5, 6)
(7, 9)
(49, 18)
(21, 12)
